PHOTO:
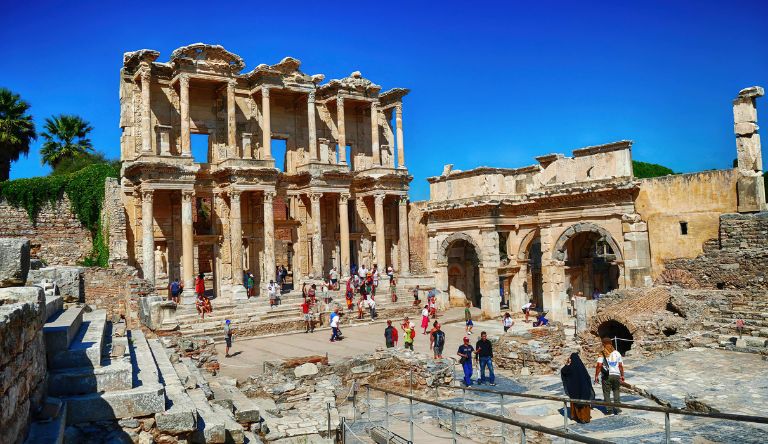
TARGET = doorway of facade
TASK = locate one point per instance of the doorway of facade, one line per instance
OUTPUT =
(463, 273)
(534, 284)
(590, 264)
(206, 259)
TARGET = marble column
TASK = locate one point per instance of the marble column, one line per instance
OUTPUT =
(317, 236)
(266, 124)
(311, 126)
(236, 237)
(375, 134)
(146, 111)
(405, 262)
(344, 228)
(231, 121)
(187, 247)
(148, 236)
(399, 124)
(342, 139)
(381, 244)
(186, 149)
(269, 238)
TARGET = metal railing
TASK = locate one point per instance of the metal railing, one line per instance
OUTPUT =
(659, 409)
(523, 426)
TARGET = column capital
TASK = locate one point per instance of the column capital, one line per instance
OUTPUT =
(344, 197)
(311, 96)
(231, 85)
(147, 194)
(340, 102)
(187, 195)
(184, 80)
(265, 91)
(315, 197)
(403, 200)
(235, 195)
(379, 198)
(145, 75)
(269, 196)
(399, 108)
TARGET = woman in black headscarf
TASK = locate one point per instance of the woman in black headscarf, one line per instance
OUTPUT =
(577, 385)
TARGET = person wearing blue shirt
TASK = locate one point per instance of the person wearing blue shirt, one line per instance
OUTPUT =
(465, 352)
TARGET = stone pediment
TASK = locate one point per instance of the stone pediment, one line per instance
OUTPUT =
(131, 60)
(208, 57)
(355, 82)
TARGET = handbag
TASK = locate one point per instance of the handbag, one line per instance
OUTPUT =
(604, 372)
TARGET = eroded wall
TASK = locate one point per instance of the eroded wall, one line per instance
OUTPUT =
(697, 199)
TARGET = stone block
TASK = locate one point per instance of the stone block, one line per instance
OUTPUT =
(68, 280)
(745, 128)
(307, 369)
(53, 305)
(14, 262)
(365, 368)
(61, 329)
(85, 349)
(83, 380)
(751, 193)
(157, 313)
(140, 401)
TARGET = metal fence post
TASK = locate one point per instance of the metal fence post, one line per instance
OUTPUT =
(368, 401)
(343, 429)
(328, 404)
(411, 381)
(354, 403)
(501, 413)
(410, 417)
(386, 411)
(453, 425)
(522, 435)
(666, 427)
(565, 418)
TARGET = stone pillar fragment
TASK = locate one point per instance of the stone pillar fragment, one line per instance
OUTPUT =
(344, 228)
(148, 236)
(187, 247)
(580, 305)
(146, 111)
(269, 238)
(750, 186)
(399, 125)
(231, 121)
(186, 149)
(405, 258)
(266, 124)
(381, 244)
(311, 125)
(317, 236)
(375, 134)
(342, 132)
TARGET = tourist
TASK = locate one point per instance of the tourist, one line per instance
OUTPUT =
(541, 320)
(228, 332)
(353, 270)
(272, 292)
(350, 295)
(507, 322)
(283, 276)
(577, 385)
(393, 288)
(175, 290)
(484, 353)
(409, 334)
(333, 276)
(200, 285)
(465, 354)
(305, 313)
(527, 308)
(610, 367)
(740, 326)
(374, 280)
(432, 303)
(360, 306)
(595, 296)
(362, 271)
(372, 308)
(425, 319)
(335, 316)
(390, 272)
(324, 293)
(389, 335)
(437, 340)
(468, 324)
(203, 305)
(249, 284)
(416, 301)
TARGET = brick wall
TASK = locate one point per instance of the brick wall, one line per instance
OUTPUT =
(114, 289)
(22, 359)
(57, 238)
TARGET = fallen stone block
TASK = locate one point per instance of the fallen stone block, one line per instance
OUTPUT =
(14, 262)
(307, 369)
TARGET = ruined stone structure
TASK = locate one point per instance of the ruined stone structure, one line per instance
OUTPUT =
(341, 198)
(579, 224)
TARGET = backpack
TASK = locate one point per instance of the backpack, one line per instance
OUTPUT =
(439, 339)
(413, 333)
(174, 287)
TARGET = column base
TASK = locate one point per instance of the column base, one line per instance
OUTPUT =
(239, 293)
(188, 296)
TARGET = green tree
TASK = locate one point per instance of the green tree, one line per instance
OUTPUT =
(66, 136)
(17, 130)
(80, 161)
(644, 170)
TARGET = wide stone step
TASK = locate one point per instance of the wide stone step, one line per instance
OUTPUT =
(49, 430)
(61, 329)
(86, 348)
(116, 375)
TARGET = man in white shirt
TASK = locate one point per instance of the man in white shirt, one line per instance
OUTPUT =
(611, 367)
(272, 292)
(362, 271)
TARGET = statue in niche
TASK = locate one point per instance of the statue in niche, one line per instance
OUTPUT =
(161, 262)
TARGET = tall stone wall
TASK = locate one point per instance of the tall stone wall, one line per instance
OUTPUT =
(22, 359)
(114, 289)
(115, 222)
(737, 260)
(57, 237)
(418, 240)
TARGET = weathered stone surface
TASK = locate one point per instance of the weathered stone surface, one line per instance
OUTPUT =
(307, 369)
(14, 261)
(367, 368)
(69, 281)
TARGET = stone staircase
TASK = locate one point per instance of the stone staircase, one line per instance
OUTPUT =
(720, 322)
(257, 310)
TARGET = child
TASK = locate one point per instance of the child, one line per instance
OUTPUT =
(425, 318)
(507, 322)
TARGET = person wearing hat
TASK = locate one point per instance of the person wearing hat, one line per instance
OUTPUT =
(465, 353)
(228, 331)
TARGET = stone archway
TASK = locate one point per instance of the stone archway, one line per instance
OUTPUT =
(480, 262)
(558, 253)
(442, 251)
(592, 260)
(616, 326)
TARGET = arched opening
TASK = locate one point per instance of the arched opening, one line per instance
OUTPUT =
(615, 329)
(534, 283)
(463, 272)
(590, 264)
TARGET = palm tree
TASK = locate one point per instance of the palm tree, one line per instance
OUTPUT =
(17, 130)
(65, 137)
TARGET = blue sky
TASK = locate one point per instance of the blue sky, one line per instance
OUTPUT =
(493, 83)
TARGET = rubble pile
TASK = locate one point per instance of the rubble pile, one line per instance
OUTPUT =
(535, 352)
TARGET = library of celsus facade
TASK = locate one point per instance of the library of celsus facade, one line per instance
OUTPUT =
(337, 201)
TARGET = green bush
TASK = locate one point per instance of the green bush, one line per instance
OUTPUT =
(85, 189)
(644, 170)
